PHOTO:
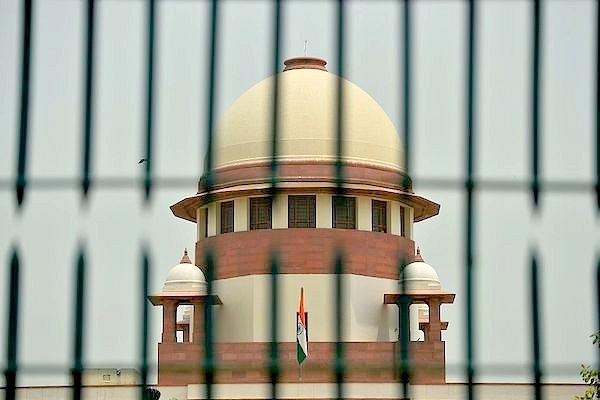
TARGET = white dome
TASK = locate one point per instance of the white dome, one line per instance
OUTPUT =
(185, 277)
(419, 275)
(307, 130)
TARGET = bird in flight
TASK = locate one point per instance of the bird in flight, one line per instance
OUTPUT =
(141, 160)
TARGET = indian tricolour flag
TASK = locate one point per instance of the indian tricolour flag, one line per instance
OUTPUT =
(301, 335)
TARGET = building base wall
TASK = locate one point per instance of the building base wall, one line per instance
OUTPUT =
(373, 391)
(181, 363)
(299, 390)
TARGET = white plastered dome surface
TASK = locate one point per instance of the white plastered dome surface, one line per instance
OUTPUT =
(419, 275)
(308, 123)
(185, 277)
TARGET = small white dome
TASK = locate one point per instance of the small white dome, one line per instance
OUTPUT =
(185, 277)
(419, 275)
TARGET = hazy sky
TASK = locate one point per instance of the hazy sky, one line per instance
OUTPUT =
(115, 224)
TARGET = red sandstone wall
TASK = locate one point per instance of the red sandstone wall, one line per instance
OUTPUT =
(180, 363)
(306, 251)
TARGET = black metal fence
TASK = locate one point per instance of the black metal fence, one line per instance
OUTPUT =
(24, 186)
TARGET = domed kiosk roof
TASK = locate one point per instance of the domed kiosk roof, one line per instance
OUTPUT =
(421, 283)
(185, 284)
(185, 277)
(418, 275)
(308, 120)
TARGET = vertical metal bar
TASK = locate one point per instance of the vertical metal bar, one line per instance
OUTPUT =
(469, 188)
(340, 364)
(274, 367)
(535, 106)
(144, 292)
(406, 17)
(211, 95)
(339, 148)
(87, 124)
(209, 362)
(404, 332)
(535, 190)
(274, 362)
(535, 331)
(12, 335)
(404, 304)
(21, 181)
(78, 325)
(598, 107)
(149, 100)
(277, 23)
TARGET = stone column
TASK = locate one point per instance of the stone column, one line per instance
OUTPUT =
(169, 334)
(198, 334)
(435, 326)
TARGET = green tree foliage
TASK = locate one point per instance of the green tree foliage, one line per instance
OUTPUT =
(591, 376)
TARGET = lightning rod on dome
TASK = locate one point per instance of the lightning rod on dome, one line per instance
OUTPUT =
(305, 47)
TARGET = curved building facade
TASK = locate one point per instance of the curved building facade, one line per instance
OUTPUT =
(306, 224)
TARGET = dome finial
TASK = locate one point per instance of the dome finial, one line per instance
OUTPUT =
(185, 259)
(418, 257)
